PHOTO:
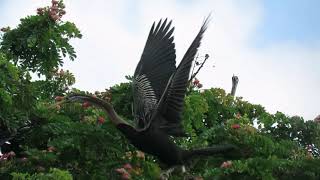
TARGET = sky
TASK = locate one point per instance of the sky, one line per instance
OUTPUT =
(272, 46)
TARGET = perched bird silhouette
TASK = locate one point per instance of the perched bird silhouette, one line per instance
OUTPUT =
(235, 81)
(11, 140)
(159, 88)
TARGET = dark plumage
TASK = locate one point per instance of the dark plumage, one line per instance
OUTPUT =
(17, 137)
(159, 88)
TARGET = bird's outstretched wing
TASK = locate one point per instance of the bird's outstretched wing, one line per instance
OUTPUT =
(171, 103)
(155, 67)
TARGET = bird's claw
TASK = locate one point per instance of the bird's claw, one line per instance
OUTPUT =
(166, 174)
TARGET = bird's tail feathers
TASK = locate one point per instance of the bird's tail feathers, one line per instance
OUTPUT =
(209, 151)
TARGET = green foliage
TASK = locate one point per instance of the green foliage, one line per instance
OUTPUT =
(52, 175)
(122, 99)
(57, 85)
(8, 77)
(65, 141)
(194, 117)
(16, 98)
(39, 43)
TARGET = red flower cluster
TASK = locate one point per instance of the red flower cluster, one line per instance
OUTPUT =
(128, 167)
(56, 11)
(138, 154)
(125, 171)
(197, 83)
(8, 155)
(226, 164)
(85, 105)
(103, 95)
(51, 149)
(101, 120)
(235, 126)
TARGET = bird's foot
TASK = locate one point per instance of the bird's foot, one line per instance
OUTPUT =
(183, 169)
(166, 174)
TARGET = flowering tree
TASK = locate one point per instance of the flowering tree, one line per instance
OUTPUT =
(78, 141)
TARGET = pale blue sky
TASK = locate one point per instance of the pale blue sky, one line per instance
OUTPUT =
(287, 20)
(273, 46)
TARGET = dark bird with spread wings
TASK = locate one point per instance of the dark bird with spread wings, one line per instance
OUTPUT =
(159, 88)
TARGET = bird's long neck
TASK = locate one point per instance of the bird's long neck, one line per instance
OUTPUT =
(114, 117)
(112, 114)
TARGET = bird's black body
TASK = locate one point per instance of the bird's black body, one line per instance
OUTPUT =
(17, 137)
(159, 88)
(156, 143)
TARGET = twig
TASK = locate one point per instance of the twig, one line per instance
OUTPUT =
(195, 74)
(194, 65)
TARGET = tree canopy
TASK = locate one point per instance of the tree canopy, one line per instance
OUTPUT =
(50, 141)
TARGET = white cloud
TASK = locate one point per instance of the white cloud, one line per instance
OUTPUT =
(280, 76)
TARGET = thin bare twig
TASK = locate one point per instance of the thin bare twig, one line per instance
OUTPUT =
(195, 74)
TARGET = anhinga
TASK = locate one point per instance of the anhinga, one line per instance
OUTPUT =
(159, 88)
(235, 81)
(11, 140)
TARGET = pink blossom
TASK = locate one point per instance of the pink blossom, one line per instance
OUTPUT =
(54, 8)
(54, 2)
(51, 149)
(55, 17)
(235, 126)
(121, 170)
(127, 166)
(125, 176)
(196, 82)
(226, 164)
(101, 120)
(85, 104)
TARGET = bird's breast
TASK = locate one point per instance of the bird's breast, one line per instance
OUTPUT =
(159, 144)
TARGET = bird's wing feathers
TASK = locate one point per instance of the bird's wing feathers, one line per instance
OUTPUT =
(173, 98)
(156, 65)
(144, 100)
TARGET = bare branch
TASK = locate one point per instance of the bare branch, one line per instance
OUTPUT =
(201, 65)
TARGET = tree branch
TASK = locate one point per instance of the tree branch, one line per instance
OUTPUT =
(195, 74)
